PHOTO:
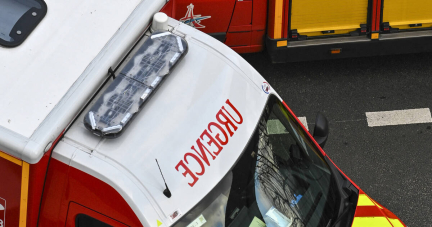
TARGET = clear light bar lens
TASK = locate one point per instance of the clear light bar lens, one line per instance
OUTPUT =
(134, 85)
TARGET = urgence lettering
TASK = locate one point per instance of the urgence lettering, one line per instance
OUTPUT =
(218, 135)
(186, 172)
(235, 110)
(225, 122)
(196, 159)
(211, 141)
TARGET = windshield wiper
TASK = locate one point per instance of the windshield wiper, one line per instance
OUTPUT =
(348, 193)
(339, 218)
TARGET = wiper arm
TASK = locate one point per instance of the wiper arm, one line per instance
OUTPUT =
(348, 193)
(347, 208)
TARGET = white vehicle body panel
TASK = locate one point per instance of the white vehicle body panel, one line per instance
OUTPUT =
(166, 128)
(48, 78)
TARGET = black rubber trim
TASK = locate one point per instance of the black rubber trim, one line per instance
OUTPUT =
(26, 24)
(381, 15)
(83, 220)
(221, 36)
(353, 49)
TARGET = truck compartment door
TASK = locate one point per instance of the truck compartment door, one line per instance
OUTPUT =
(407, 14)
(319, 18)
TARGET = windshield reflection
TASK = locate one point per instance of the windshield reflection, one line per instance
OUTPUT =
(292, 182)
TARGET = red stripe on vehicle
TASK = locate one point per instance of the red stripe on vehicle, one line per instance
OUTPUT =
(378, 15)
(368, 211)
(374, 14)
(285, 19)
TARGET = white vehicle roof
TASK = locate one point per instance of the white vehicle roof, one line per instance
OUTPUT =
(48, 78)
(166, 128)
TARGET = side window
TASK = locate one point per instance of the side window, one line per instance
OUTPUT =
(83, 220)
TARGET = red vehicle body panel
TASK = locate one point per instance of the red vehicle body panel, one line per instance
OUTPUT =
(37, 176)
(220, 12)
(243, 23)
(242, 13)
(247, 29)
(66, 185)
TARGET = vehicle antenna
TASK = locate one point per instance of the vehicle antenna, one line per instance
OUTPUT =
(166, 192)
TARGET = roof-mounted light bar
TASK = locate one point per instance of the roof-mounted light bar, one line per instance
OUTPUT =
(135, 84)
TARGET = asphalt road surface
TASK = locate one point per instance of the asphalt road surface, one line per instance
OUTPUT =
(387, 152)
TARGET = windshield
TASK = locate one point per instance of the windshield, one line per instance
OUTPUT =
(281, 180)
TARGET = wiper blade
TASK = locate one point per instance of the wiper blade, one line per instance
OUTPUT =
(348, 194)
(339, 218)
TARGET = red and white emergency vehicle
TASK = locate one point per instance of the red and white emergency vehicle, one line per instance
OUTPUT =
(299, 30)
(107, 119)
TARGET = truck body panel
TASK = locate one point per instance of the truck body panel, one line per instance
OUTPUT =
(291, 21)
(209, 16)
(90, 196)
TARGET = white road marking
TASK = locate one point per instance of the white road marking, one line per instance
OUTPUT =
(398, 117)
(304, 122)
